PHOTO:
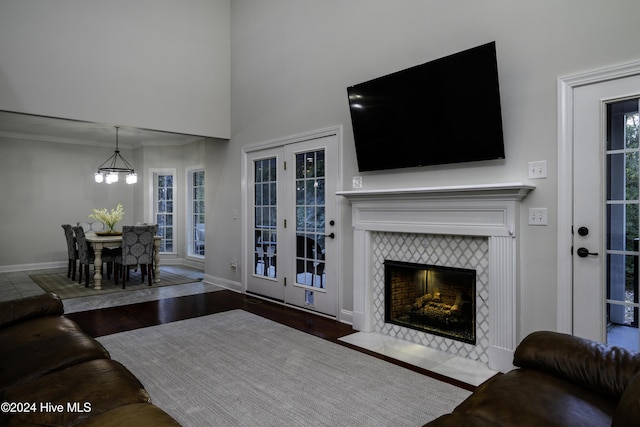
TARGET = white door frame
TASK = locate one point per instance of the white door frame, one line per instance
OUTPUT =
(566, 87)
(244, 235)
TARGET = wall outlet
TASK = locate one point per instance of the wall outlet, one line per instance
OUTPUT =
(537, 216)
(356, 182)
(538, 170)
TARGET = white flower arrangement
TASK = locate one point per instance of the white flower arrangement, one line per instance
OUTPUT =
(109, 218)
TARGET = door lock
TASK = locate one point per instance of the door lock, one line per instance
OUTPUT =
(583, 231)
(584, 252)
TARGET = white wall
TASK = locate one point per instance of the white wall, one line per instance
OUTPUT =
(292, 61)
(154, 64)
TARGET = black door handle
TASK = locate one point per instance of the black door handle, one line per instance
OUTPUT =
(584, 252)
(331, 236)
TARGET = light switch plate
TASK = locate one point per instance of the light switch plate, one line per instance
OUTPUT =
(537, 216)
(538, 170)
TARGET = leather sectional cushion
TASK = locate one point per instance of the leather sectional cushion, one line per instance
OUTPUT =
(526, 397)
(91, 388)
(603, 369)
(27, 308)
(43, 345)
(139, 415)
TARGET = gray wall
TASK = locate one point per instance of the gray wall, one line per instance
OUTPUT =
(46, 185)
(50, 183)
(292, 61)
(138, 63)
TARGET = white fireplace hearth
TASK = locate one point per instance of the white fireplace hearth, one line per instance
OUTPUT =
(473, 226)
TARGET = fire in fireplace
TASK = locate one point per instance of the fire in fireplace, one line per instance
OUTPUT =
(434, 299)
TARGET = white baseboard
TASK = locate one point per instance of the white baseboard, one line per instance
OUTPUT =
(232, 285)
(346, 316)
(34, 266)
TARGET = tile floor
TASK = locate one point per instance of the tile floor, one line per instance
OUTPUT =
(461, 369)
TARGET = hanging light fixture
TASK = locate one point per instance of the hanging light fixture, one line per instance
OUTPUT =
(109, 170)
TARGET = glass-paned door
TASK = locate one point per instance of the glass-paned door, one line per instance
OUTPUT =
(265, 236)
(291, 212)
(622, 218)
(311, 195)
(264, 200)
(310, 221)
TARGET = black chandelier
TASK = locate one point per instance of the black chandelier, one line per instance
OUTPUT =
(109, 170)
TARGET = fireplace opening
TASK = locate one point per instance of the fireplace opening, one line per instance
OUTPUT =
(434, 299)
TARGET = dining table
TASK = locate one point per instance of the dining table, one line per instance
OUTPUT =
(100, 241)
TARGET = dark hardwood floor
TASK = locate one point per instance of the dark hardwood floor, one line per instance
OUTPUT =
(111, 320)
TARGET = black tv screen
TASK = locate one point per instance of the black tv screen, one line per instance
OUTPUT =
(443, 111)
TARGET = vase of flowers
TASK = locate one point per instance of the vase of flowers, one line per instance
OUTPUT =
(110, 219)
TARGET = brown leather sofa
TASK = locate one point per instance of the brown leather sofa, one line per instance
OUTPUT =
(561, 380)
(53, 374)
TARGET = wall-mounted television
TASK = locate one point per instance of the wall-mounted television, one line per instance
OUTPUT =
(443, 111)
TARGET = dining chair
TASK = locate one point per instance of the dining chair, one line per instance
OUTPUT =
(86, 255)
(154, 226)
(137, 249)
(91, 227)
(72, 250)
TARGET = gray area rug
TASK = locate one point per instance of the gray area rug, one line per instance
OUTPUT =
(238, 369)
(66, 288)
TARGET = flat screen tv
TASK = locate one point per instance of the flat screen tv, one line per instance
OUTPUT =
(443, 111)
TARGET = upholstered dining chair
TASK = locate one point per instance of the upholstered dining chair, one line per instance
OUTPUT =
(72, 250)
(91, 227)
(86, 256)
(137, 249)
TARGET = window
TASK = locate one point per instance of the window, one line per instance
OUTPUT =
(265, 224)
(164, 210)
(195, 225)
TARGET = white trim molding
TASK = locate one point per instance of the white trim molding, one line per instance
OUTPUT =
(566, 86)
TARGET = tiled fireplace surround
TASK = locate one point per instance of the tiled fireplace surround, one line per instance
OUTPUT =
(472, 226)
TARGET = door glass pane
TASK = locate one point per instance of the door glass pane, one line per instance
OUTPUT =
(310, 220)
(622, 224)
(265, 221)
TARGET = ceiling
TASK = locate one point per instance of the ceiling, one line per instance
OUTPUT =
(40, 128)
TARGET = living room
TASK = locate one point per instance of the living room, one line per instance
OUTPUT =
(241, 74)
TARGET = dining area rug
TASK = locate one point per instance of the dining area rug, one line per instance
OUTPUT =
(66, 288)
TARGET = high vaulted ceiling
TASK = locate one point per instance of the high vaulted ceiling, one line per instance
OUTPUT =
(26, 126)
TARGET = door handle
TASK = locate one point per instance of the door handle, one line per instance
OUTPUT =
(331, 236)
(584, 252)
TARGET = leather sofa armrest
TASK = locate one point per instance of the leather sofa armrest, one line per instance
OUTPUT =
(628, 411)
(18, 310)
(605, 370)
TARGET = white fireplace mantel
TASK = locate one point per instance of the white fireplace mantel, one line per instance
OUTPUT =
(489, 210)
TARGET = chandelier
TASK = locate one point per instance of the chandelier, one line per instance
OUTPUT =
(116, 164)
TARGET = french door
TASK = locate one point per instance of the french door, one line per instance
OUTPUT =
(606, 204)
(291, 214)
